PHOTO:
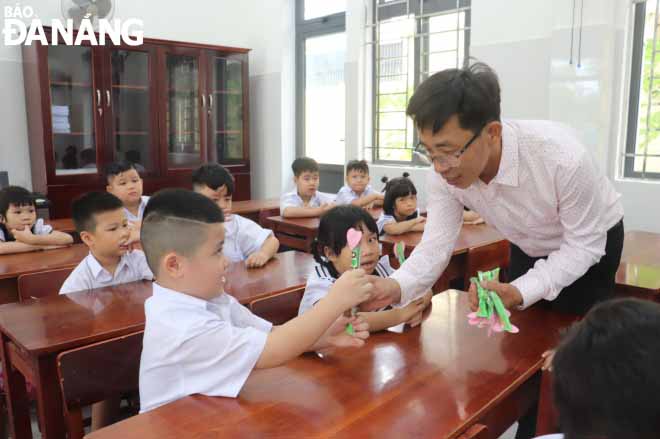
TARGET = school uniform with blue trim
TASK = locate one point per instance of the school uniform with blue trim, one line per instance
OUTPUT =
(320, 280)
(384, 219)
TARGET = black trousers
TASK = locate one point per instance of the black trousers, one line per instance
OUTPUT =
(596, 285)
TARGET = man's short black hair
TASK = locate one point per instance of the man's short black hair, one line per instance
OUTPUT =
(85, 207)
(214, 176)
(116, 168)
(357, 165)
(304, 164)
(471, 93)
(176, 220)
(17, 196)
(606, 380)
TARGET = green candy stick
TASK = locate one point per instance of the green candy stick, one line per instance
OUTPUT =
(399, 252)
(353, 239)
(489, 301)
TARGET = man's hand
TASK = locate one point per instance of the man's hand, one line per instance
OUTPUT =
(509, 294)
(385, 292)
(415, 309)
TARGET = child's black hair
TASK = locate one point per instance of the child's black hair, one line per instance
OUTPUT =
(304, 164)
(357, 165)
(85, 208)
(17, 196)
(396, 188)
(332, 232)
(214, 176)
(116, 168)
(606, 382)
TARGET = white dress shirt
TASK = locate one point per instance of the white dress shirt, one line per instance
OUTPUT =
(193, 346)
(346, 195)
(384, 219)
(548, 198)
(90, 273)
(292, 199)
(143, 204)
(243, 237)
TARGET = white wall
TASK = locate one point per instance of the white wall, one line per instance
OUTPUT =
(263, 26)
(528, 43)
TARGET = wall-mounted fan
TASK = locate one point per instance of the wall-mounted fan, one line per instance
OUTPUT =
(93, 10)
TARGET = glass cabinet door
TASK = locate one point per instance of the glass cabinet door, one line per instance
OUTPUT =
(131, 93)
(226, 108)
(73, 109)
(183, 123)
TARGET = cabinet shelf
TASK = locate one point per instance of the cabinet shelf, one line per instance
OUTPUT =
(228, 132)
(132, 133)
(228, 92)
(72, 133)
(131, 87)
(71, 84)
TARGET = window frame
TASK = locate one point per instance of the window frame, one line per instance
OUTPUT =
(421, 32)
(636, 80)
(326, 25)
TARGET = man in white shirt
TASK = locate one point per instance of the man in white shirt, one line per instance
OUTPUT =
(532, 180)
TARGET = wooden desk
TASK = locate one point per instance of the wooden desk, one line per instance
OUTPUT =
(35, 332)
(62, 224)
(470, 236)
(436, 380)
(298, 233)
(12, 266)
(252, 208)
(639, 271)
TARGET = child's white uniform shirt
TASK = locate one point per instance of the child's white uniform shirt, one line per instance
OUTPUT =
(386, 219)
(243, 237)
(292, 199)
(143, 203)
(193, 346)
(346, 195)
(90, 273)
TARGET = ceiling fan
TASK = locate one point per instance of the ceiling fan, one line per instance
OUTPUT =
(92, 10)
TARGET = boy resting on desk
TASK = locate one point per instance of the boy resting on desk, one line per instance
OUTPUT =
(197, 339)
(357, 190)
(245, 240)
(305, 200)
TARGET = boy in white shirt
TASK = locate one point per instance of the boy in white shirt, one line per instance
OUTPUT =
(245, 240)
(198, 339)
(357, 190)
(125, 183)
(305, 200)
(100, 220)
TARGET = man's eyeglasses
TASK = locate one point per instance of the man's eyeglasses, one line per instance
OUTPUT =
(446, 160)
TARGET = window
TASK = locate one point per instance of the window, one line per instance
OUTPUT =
(642, 153)
(409, 40)
(321, 94)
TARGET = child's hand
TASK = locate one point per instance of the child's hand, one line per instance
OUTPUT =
(256, 260)
(420, 219)
(352, 287)
(25, 236)
(472, 218)
(412, 313)
(327, 206)
(336, 337)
